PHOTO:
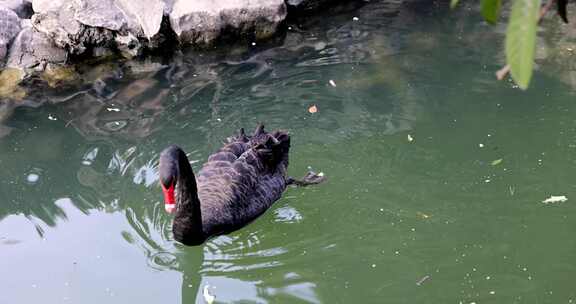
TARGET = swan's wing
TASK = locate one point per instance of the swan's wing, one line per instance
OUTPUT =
(243, 178)
(262, 151)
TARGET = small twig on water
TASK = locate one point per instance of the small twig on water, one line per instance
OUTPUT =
(501, 73)
(422, 280)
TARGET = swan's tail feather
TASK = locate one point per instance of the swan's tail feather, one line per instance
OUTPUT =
(240, 137)
(271, 148)
(259, 130)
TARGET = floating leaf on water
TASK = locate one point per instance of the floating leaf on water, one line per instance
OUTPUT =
(313, 109)
(208, 298)
(555, 199)
(496, 162)
(423, 215)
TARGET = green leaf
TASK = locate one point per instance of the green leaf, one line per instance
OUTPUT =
(521, 40)
(453, 3)
(496, 162)
(491, 10)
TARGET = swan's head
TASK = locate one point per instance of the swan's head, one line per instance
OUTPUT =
(169, 175)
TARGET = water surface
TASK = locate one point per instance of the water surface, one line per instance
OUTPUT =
(437, 172)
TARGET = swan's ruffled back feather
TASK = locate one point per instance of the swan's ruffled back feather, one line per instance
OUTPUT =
(242, 179)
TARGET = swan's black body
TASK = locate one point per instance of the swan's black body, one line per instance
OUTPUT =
(237, 184)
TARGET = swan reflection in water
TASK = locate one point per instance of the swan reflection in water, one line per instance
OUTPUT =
(232, 267)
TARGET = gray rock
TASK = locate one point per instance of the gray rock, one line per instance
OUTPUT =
(143, 16)
(202, 21)
(307, 5)
(168, 4)
(87, 24)
(99, 13)
(33, 50)
(43, 6)
(67, 32)
(128, 45)
(24, 23)
(9, 28)
(22, 8)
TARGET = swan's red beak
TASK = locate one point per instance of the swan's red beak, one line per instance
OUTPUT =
(169, 201)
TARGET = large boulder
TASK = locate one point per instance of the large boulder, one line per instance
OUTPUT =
(86, 24)
(43, 6)
(67, 32)
(33, 50)
(142, 17)
(9, 28)
(203, 21)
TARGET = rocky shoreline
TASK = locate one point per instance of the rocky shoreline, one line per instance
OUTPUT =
(35, 34)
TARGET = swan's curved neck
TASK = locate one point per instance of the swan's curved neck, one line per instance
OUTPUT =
(187, 226)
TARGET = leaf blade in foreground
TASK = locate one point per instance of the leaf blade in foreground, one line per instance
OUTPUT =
(521, 40)
(453, 3)
(491, 10)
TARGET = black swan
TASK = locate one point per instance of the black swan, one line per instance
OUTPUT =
(237, 184)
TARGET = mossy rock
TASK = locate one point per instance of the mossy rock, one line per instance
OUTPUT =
(57, 75)
(9, 84)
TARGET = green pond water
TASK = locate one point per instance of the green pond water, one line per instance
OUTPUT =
(436, 171)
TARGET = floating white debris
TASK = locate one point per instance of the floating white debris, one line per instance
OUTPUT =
(32, 178)
(555, 199)
(481, 145)
(207, 296)
(410, 138)
(496, 162)
(321, 174)
(253, 43)
(112, 109)
(332, 83)
(52, 117)
(355, 18)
